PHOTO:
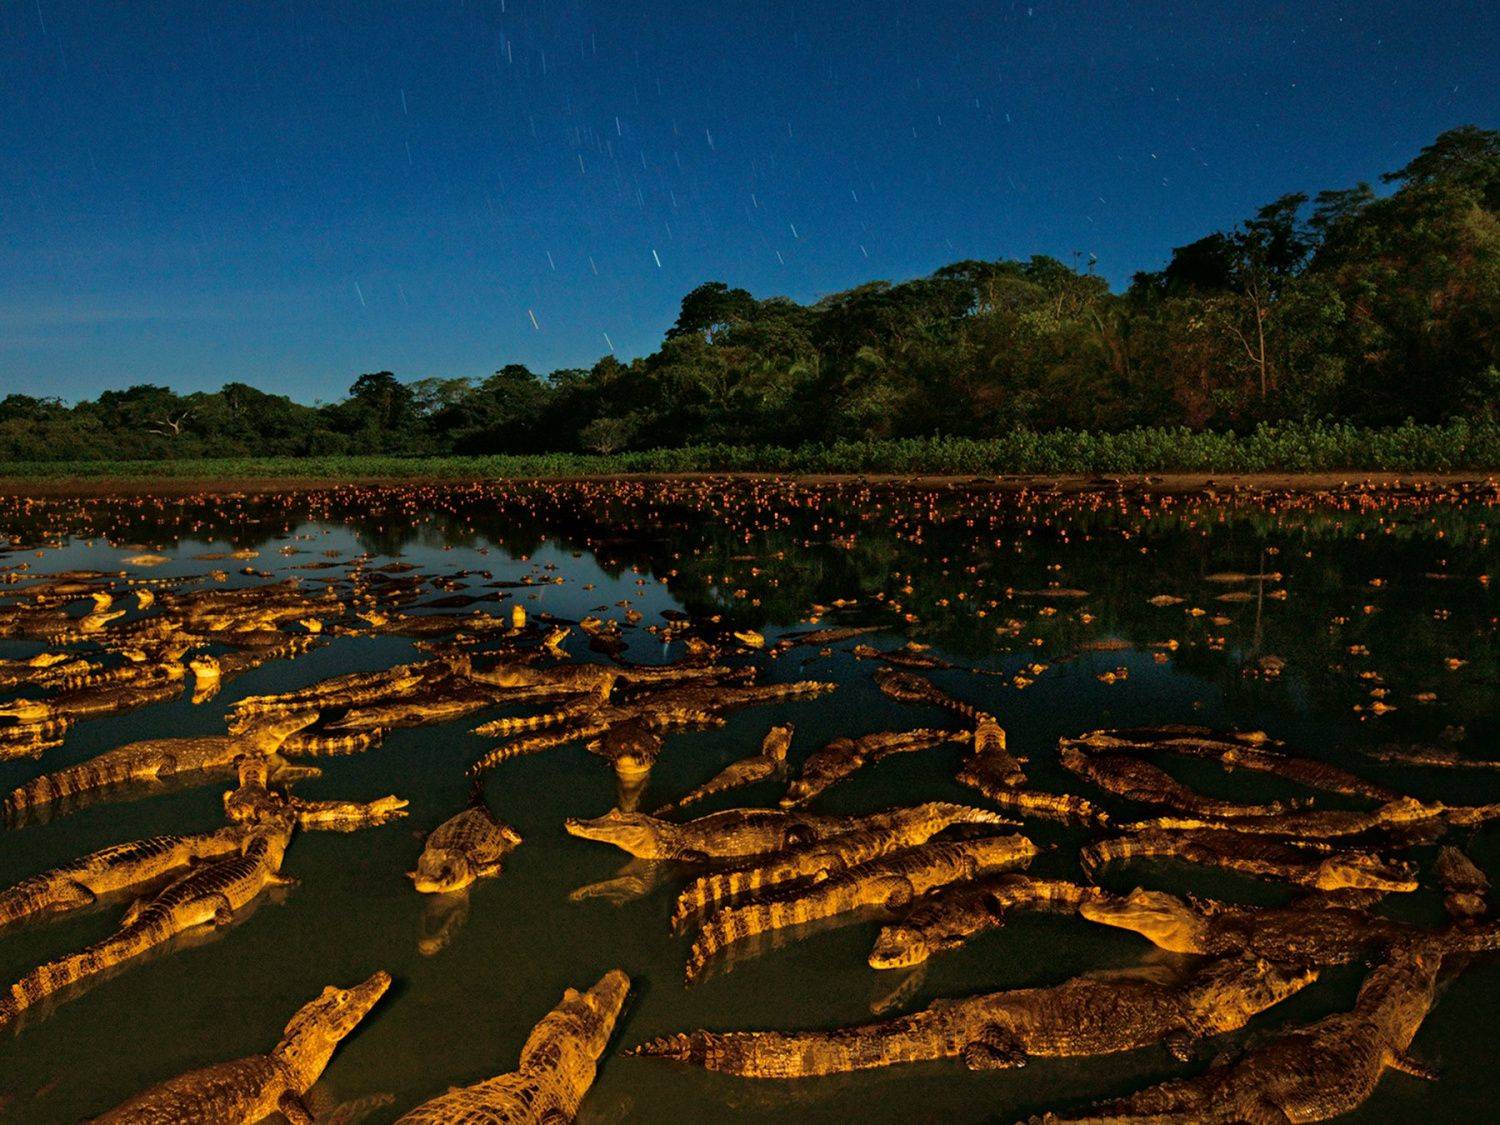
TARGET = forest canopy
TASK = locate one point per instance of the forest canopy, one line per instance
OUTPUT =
(1350, 306)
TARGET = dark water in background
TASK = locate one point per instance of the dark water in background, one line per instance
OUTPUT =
(1401, 578)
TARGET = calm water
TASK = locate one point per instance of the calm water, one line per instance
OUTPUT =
(1372, 595)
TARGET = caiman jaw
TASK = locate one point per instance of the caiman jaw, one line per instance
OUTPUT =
(898, 947)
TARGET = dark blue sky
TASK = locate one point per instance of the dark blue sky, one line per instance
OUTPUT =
(292, 193)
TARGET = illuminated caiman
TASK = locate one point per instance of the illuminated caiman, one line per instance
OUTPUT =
(991, 763)
(1251, 750)
(253, 1088)
(842, 757)
(743, 833)
(1082, 1016)
(1310, 1073)
(558, 1063)
(765, 763)
(1140, 781)
(819, 859)
(209, 895)
(111, 870)
(1304, 862)
(255, 802)
(163, 682)
(154, 759)
(950, 915)
(891, 881)
(470, 845)
(1405, 815)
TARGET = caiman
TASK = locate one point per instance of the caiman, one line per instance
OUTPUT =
(255, 802)
(1405, 815)
(557, 1066)
(1140, 781)
(1233, 750)
(111, 870)
(740, 833)
(1306, 863)
(209, 895)
(1465, 887)
(164, 682)
(891, 881)
(820, 859)
(1310, 1073)
(1301, 934)
(152, 760)
(465, 847)
(769, 761)
(950, 915)
(991, 763)
(1083, 1016)
(252, 1089)
(840, 759)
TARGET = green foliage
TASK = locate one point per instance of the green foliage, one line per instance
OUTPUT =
(1314, 331)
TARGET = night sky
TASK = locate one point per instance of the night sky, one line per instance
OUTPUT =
(289, 194)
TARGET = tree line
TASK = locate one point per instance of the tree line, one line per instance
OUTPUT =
(1347, 306)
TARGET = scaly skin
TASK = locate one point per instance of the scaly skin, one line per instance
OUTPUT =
(1233, 750)
(631, 746)
(1403, 814)
(557, 1067)
(991, 764)
(1062, 807)
(1310, 1073)
(840, 759)
(252, 1089)
(1147, 784)
(254, 802)
(1305, 863)
(164, 682)
(1083, 1016)
(889, 881)
(1297, 934)
(355, 690)
(122, 867)
(211, 894)
(28, 739)
(767, 763)
(1465, 887)
(738, 833)
(465, 847)
(321, 745)
(821, 859)
(152, 760)
(950, 915)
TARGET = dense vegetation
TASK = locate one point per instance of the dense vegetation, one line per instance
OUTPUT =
(1312, 317)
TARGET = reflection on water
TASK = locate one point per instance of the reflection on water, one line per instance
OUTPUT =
(1348, 624)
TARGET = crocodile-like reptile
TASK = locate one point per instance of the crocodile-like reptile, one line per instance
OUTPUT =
(822, 858)
(767, 762)
(950, 915)
(1465, 887)
(1405, 815)
(162, 682)
(321, 744)
(991, 763)
(1140, 781)
(255, 802)
(253, 1088)
(351, 690)
(1082, 1016)
(840, 759)
(557, 1066)
(1306, 863)
(465, 847)
(208, 895)
(1297, 934)
(27, 739)
(111, 870)
(1233, 750)
(890, 881)
(740, 833)
(152, 760)
(1310, 1073)
(631, 746)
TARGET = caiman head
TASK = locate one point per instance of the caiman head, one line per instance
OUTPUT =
(1165, 919)
(206, 677)
(1363, 871)
(266, 736)
(778, 742)
(636, 833)
(319, 1026)
(1226, 994)
(900, 947)
(596, 1010)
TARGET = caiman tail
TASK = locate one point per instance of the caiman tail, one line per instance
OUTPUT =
(329, 745)
(520, 747)
(1102, 853)
(521, 724)
(47, 980)
(29, 897)
(775, 1054)
(85, 777)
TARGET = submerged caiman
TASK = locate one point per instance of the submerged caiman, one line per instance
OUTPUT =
(1082, 1016)
(253, 1088)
